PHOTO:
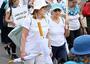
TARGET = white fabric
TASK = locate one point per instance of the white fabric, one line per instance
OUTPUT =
(34, 43)
(38, 60)
(74, 23)
(20, 14)
(39, 4)
(57, 37)
(8, 10)
(1, 1)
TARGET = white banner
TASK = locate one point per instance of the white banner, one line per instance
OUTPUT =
(20, 14)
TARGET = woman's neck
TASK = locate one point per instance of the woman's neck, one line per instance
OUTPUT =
(55, 19)
(40, 17)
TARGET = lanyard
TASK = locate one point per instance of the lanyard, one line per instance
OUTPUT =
(40, 29)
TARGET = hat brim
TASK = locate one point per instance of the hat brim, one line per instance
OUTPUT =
(79, 53)
(39, 7)
(70, 62)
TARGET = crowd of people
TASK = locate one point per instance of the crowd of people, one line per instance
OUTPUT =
(52, 30)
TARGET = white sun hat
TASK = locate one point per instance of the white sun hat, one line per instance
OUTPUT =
(38, 4)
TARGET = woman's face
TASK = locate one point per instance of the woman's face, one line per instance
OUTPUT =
(42, 11)
(16, 2)
(73, 3)
(56, 13)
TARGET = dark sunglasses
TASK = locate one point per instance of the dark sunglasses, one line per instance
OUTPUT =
(55, 10)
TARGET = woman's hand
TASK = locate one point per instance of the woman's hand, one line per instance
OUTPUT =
(22, 55)
(12, 23)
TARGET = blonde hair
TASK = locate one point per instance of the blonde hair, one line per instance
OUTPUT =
(35, 12)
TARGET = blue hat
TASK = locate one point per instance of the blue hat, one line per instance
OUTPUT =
(81, 45)
(55, 6)
(70, 62)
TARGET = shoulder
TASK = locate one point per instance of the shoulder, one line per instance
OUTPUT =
(62, 19)
(47, 19)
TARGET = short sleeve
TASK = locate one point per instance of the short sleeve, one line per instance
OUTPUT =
(27, 24)
(63, 20)
(47, 21)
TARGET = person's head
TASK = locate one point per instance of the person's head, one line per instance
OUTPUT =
(55, 10)
(81, 45)
(39, 9)
(14, 3)
(72, 3)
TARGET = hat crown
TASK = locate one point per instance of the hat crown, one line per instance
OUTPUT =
(70, 62)
(38, 4)
(55, 6)
(82, 45)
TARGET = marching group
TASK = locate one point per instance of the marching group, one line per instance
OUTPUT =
(55, 29)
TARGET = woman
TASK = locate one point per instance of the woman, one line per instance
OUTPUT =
(8, 18)
(74, 23)
(31, 39)
(57, 34)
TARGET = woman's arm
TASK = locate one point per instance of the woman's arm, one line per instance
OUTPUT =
(8, 17)
(67, 31)
(23, 41)
(49, 44)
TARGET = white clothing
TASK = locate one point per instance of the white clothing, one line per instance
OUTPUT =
(40, 60)
(33, 40)
(1, 2)
(8, 10)
(56, 31)
(34, 35)
(74, 23)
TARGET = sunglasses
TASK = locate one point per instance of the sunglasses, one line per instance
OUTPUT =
(55, 10)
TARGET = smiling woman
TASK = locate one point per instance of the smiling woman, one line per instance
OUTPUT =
(34, 40)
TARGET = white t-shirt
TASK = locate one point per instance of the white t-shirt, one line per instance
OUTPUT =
(56, 31)
(8, 10)
(74, 23)
(33, 37)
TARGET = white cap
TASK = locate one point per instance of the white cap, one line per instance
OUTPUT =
(38, 4)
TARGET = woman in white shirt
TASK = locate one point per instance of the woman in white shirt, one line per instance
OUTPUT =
(8, 18)
(57, 33)
(31, 42)
(74, 23)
